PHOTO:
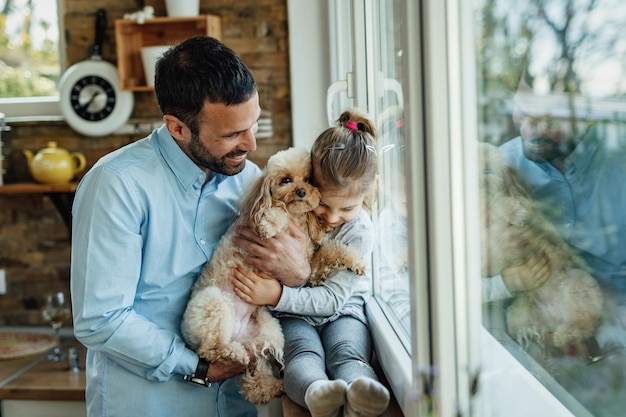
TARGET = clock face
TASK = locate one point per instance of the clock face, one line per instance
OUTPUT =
(92, 98)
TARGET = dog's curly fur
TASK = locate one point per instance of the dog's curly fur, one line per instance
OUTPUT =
(567, 308)
(218, 324)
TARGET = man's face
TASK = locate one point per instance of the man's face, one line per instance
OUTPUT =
(547, 133)
(225, 136)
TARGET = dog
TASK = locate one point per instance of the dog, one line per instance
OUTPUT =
(217, 324)
(562, 314)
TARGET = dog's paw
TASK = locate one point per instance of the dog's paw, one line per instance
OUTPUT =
(272, 221)
(266, 230)
(357, 267)
(334, 256)
(259, 385)
(232, 352)
(320, 274)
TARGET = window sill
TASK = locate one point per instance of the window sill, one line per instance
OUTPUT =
(31, 109)
(393, 357)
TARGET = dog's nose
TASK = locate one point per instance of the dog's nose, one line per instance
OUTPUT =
(301, 192)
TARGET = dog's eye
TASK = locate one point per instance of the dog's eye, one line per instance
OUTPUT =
(307, 180)
(286, 180)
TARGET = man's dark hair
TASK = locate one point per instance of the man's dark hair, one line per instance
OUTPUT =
(198, 69)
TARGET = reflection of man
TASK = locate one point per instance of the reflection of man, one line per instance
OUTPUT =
(576, 172)
(578, 176)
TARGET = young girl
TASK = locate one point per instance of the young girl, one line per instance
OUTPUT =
(327, 341)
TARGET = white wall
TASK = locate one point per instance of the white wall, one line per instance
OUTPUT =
(309, 68)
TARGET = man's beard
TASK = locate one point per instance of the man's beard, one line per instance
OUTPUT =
(545, 149)
(205, 158)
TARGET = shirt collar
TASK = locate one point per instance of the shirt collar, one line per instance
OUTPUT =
(581, 157)
(187, 172)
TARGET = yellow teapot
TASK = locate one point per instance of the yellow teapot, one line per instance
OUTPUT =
(53, 165)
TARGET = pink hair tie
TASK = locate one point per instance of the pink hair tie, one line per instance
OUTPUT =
(352, 125)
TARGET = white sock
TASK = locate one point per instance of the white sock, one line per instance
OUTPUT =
(366, 397)
(325, 398)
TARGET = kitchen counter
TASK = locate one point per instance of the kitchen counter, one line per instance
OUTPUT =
(10, 367)
(36, 378)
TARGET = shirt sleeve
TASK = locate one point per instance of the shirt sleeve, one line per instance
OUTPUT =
(106, 269)
(325, 299)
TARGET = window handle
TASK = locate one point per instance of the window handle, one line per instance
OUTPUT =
(335, 88)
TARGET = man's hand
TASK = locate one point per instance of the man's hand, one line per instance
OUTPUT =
(283, 257)
(530, 274)
(220, 371)
(504, 244)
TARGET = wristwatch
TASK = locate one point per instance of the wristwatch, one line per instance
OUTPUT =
(200, 376)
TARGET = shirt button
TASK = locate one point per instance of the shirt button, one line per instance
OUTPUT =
(202, 242)
(567, 225)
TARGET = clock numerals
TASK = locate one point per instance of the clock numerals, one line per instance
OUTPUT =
(93, 98)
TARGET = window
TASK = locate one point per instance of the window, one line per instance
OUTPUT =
(459, 65)
(449, 82)
(30, 58)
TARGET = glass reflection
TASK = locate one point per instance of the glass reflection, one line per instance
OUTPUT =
(392, 273)
(393, 259)
(552, 106)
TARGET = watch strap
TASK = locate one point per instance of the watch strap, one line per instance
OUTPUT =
(200, 376)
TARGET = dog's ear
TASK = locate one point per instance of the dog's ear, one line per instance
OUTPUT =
(257, 200)
(515, 184)
(316, 230)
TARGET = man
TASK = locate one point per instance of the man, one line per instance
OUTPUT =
(146, 218)
(575, 171)
(577, 174)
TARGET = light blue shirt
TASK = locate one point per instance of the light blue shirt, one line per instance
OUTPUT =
(143, 227)
(343, 293)
(586, 203)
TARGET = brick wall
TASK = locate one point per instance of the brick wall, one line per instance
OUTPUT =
(34, 240)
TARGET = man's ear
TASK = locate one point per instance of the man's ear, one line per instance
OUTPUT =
(175, 126)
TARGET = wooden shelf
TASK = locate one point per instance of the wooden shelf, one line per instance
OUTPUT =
(131, 36)
(62, 195)
(34, 188)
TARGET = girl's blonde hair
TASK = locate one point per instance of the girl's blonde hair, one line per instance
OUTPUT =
(346, 154)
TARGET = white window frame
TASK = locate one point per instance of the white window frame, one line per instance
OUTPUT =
(452, 199)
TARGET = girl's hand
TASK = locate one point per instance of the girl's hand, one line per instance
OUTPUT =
(256, 288)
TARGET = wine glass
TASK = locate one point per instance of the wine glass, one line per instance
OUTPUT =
(55, 311)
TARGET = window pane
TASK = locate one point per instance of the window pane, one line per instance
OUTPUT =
(552, 116)
(29, 51)
(392, 272)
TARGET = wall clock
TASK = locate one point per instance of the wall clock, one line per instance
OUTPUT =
(91, 100)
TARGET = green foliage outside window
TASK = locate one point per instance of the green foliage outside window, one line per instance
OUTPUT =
(27, 68)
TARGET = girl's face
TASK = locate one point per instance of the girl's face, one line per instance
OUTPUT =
(338, 206)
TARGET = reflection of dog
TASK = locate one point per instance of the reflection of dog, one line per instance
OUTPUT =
(222, 327)
(566, 309)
